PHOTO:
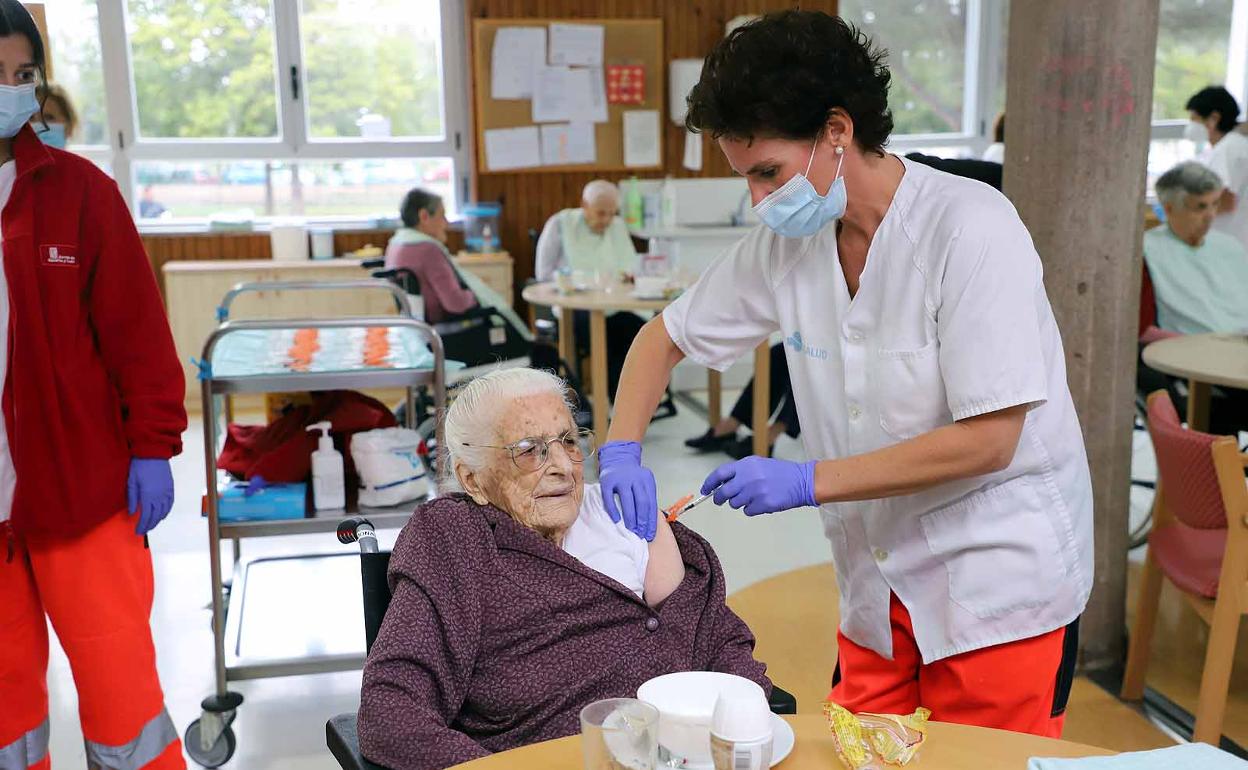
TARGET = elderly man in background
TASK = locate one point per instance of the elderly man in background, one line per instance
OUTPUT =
(592, 242)
(1199, 274)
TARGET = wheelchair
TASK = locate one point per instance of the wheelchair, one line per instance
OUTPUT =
(341, 736)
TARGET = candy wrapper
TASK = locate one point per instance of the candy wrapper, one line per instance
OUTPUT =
(876, 741)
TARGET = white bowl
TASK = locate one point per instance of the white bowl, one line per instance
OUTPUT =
(685, 701)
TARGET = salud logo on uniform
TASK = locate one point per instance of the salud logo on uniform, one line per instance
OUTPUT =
(795, 341)
(58, 255)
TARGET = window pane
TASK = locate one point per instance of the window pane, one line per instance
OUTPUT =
(372, 68)
(74, 28)
(1165, 154)
(252, 189)
(1192, 42)
(203, 69)
(926, 43)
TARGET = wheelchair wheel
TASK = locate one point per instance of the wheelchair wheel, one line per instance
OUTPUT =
(217, 754)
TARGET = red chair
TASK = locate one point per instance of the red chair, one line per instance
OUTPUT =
(1149, 330)
(1199, 543)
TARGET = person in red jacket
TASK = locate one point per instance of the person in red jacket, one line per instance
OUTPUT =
(92, 413)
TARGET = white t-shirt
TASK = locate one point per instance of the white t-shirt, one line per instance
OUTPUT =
(8, 475)
(1229, 160)
(995, 153)
(607, 546)
(950, 320)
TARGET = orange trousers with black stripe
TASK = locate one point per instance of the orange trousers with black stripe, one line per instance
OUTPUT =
(97, 591)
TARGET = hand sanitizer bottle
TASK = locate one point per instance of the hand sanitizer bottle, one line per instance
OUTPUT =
(329, 485)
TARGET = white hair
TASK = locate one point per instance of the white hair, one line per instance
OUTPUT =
(1189, 178)
(474, 416)
(600, 189)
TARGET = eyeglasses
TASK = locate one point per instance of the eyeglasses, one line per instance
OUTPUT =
(532, 453)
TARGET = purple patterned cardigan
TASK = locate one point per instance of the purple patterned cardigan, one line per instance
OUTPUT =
(495, 638)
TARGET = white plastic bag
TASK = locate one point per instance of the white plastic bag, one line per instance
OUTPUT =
(390, 469)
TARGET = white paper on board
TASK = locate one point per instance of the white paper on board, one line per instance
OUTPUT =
(550, 95)
(586, 94)
(576, 44)
(641, 138)
(517, 53)
(565, 144)
(509, 148)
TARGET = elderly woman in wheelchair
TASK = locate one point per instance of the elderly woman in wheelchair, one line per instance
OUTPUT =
(519, 602)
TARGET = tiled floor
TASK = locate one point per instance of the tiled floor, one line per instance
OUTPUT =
(281, 724)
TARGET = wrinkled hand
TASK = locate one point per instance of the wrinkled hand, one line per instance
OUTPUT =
(763, 485)
(149, 492)
(622, 475)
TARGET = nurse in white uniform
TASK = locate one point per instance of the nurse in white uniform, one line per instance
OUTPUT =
(1214, 114)
(948, 465)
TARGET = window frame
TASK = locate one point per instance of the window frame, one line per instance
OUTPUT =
(982, 67)
(293, 143)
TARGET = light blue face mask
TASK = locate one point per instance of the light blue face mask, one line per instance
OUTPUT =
(17, 104)
(796, 210)
(53, 135)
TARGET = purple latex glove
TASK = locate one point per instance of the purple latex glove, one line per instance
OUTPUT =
(149, 492)
(763, 485)
(622, 475)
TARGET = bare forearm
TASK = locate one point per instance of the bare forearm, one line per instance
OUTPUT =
(972, 447)
(665, 569)
(647, 370)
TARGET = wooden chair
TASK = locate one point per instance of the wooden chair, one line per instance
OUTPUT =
(1199, 543)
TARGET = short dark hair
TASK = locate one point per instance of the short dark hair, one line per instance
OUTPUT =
(16, 20)
(1206, 101)
(998, 129)
(416, 201)
(781, 75)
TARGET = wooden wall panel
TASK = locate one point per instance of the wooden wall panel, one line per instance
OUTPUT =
(690, 29)
(187, 247)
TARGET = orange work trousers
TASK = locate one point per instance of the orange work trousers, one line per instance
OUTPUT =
(97, 591)
(1021, 686)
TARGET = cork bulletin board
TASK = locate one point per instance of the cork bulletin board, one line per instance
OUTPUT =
(629, 42)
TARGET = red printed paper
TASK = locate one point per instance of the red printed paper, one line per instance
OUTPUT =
(626, 84)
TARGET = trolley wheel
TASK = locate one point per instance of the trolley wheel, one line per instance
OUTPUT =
(218, 754)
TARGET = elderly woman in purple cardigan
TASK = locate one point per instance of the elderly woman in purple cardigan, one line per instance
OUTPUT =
(519, 602)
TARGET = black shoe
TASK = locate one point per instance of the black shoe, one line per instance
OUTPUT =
(743, 448)
(709, 442)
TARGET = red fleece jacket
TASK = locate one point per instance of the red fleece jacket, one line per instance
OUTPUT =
(93, 377)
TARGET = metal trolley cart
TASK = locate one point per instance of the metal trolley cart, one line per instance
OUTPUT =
(229, 367)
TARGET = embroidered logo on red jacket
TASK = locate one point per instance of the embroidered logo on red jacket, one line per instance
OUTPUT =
(58, 255)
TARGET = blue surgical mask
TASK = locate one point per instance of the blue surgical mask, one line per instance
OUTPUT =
(17, 104)
(796, 210)
(53, 135)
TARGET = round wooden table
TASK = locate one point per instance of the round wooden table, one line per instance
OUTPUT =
(598, 303)
(1205, 360)
(948, 747)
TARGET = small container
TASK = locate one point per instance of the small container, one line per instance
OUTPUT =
(275, 502)
(741, 732)
(289, 241)
(322, 243)
(481, 227)
(329, 482)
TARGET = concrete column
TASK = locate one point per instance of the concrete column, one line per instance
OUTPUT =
(1079, 93)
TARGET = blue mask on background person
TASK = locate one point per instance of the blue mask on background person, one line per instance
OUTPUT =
(17, 105)
(796, 210)
(53, 135)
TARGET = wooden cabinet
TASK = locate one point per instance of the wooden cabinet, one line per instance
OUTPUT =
(495, 269)
(193, 290)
